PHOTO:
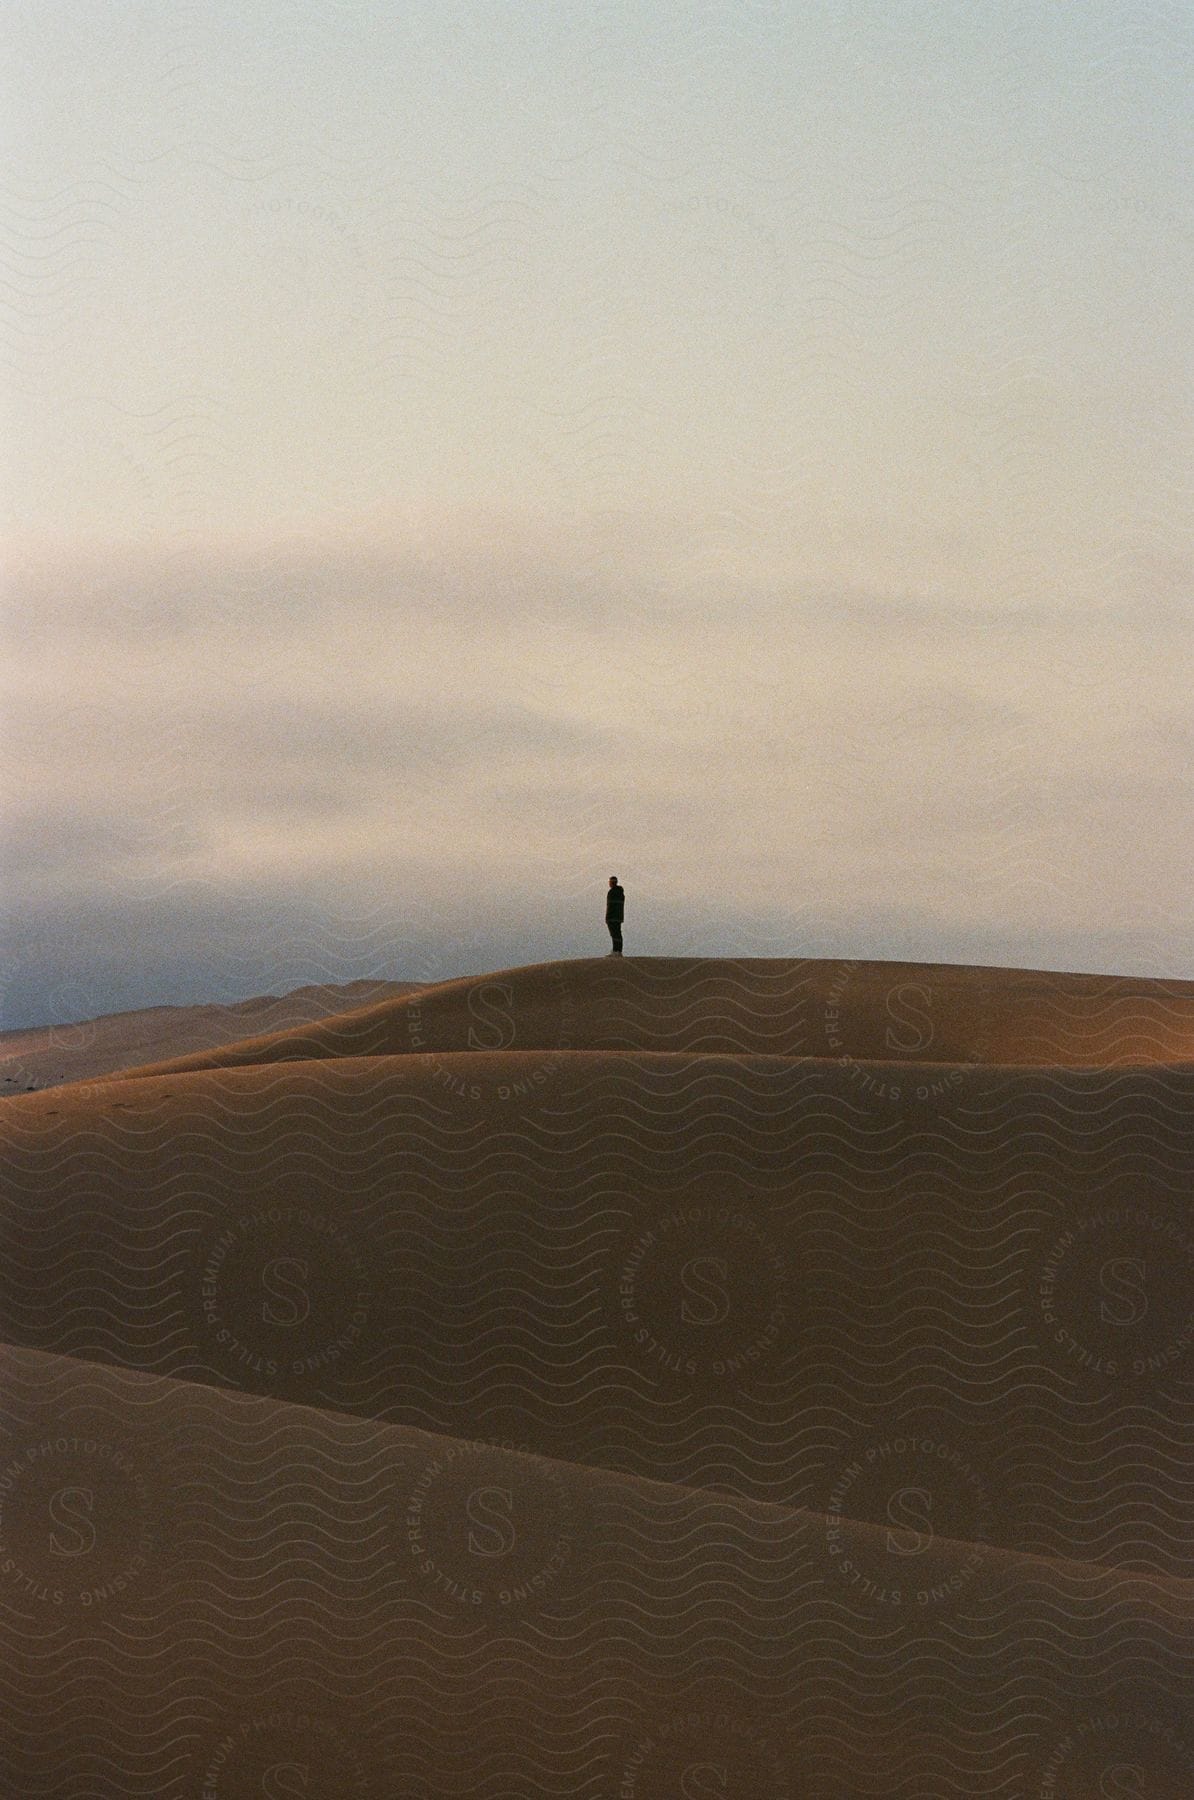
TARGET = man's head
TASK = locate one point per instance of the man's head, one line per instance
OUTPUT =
(613, 881)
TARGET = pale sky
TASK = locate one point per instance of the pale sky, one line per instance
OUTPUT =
(458, 451)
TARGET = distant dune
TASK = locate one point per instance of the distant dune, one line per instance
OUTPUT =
(649, 1378)
(48, 1055)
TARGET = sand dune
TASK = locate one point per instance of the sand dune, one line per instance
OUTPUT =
(622, 1390)
(49, 1055)
(375, 1609)
(907, 1012)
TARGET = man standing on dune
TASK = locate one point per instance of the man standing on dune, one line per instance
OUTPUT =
(615, 907)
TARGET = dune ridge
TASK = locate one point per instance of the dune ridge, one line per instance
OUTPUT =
(43, 1056)
(868, 1011)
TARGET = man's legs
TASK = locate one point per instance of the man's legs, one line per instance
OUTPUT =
(615, 932)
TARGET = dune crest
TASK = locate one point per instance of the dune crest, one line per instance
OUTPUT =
(47, 1055)
(863, 1011)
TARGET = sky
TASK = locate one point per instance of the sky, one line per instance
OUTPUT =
(457, 451)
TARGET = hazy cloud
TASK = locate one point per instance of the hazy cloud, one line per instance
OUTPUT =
(771, 758)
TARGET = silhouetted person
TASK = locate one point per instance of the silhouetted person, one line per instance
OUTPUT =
(615, 907)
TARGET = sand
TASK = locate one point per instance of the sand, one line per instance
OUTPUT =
(48, 1055)
(644, 1378)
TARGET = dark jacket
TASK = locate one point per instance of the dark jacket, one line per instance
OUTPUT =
(615, 902)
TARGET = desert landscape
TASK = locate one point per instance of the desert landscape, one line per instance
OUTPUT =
(639, 1378)
(596, 1008)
